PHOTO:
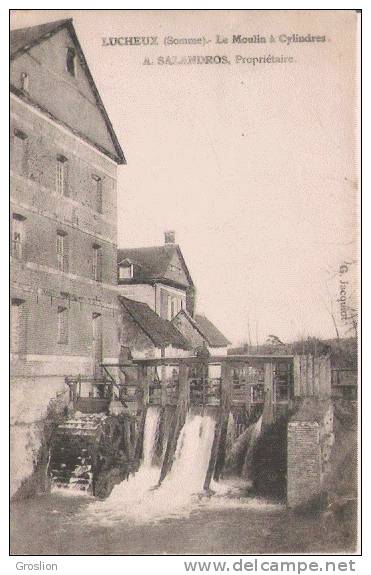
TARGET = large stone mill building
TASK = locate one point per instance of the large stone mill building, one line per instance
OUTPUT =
(64, 158)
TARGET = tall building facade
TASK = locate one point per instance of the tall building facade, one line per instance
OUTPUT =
(64, 158)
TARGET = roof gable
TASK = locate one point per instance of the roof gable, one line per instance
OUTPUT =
(160, 331)
(157, 264)
(211, 334)
(74, 101)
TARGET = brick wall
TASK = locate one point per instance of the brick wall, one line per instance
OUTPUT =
(45, 64)
(309, 442)
(35, 278)
(87, 216)
(304, 463)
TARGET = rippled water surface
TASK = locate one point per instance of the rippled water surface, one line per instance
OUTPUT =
(56, 524)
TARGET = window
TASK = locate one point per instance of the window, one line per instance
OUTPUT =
(62, 251)
(126, 271)
(18, 236)
(19, 134)
(97, 263)
(61, 176)
(71, 61)
(19, 153)
(24, 82)
(97, 182)
(175, 269)
(17, 326)
(174, 306)
(62, 324)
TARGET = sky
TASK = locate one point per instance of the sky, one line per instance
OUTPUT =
(254, 167)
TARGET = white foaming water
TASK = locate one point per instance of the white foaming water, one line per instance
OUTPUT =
(136, 486)
(141, 499)
(254, 433)
(150, 435)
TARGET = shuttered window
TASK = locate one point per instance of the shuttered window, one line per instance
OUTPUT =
(97, 263)
(62, 324)
(20, 152)
(17, 326)
(174, 306)
(62, 251)
(98, 193)
(61, 176)
(18, 236)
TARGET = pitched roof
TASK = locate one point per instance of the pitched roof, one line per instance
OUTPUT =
(151, 264)
(213, 337)
(23, 39)
(160, 331)
(211, 333)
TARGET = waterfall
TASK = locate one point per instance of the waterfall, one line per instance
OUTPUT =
(252, 436)
(131, 491)
(192, 453)
(140, 498)
(150, 435)
(240, 450)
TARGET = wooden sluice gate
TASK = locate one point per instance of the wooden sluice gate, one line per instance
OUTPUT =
(220, 387)
(103, 435)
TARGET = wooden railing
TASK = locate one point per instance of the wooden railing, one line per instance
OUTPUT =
(243, 379)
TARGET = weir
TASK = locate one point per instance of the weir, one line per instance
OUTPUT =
(157, 409)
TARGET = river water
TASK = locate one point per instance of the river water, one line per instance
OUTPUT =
(56, 525)
(141, 517)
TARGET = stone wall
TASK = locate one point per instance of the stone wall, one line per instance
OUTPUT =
(309, 442)
(30, 401)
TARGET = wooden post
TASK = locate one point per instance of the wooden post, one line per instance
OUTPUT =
(304, 376)
(178, 421)
(328, 376)
(146, 382)
(316, 376)
(217, 456)
(310, 375)
(248, 396)
(297, 376)
(324, 376)
(268, 413)
(268, 377)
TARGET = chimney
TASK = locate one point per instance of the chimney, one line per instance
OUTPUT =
(170, 237)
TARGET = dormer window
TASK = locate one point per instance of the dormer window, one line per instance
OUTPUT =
(126, 270)
(71, 61)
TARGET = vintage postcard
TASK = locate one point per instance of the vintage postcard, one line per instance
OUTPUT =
(184, 214)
